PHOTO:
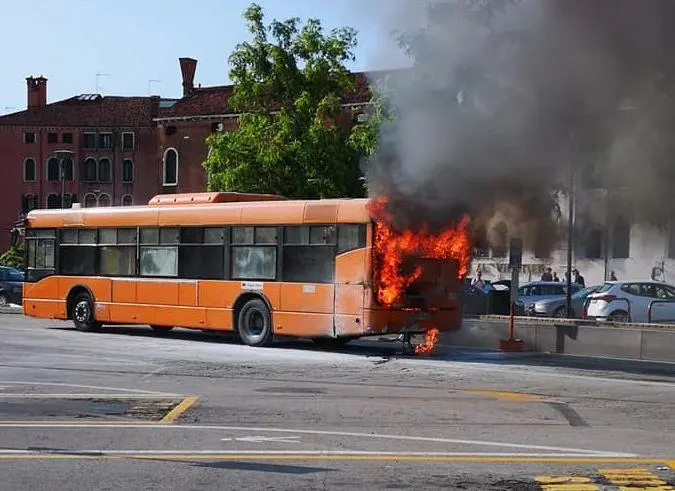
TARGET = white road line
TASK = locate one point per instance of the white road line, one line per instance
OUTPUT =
(137, 427)
(306, 452)
(97, 395)
(80, 386)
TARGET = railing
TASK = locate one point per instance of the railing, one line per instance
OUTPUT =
(649, 309)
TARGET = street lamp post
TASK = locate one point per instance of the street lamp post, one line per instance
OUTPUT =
(570, 231)
(62, 155)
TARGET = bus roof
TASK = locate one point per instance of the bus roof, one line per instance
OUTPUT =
(198, 212)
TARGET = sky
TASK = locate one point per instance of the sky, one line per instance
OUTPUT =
(131, 42)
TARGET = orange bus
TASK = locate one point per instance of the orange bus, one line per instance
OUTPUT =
(258, 265)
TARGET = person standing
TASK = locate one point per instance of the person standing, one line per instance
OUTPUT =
(547, 276)
(555, 277)
(478, 282)
(578, 279)
(612, 277)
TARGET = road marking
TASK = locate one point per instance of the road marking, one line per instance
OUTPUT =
(95, 395)
(506, 396)
(261, 439)
(635, 479)
(300, 456)
(173, 415)
(79, 386)
(331, 433)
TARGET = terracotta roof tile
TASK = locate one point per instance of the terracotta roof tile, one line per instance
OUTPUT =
(105, 111)
(212, 101)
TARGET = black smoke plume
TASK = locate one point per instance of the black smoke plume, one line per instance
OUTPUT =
(505, 97)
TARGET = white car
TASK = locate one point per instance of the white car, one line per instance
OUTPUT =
(632, 301)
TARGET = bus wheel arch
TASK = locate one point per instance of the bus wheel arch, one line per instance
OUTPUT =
(253, 308)
(81, 310)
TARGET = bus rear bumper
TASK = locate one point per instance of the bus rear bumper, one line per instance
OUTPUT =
(401, 321)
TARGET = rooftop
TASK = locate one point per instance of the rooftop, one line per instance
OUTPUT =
(89, 110)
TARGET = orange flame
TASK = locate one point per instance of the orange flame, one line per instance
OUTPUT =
(430, 340)
(391, 247)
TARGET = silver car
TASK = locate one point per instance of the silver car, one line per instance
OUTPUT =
(557, 307)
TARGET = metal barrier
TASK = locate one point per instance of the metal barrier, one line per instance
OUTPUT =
(649, 310)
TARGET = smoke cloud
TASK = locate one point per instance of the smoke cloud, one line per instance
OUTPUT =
(505, 95)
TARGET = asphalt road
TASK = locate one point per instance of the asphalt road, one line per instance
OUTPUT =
(125, 409)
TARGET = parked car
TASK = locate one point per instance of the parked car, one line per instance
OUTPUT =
(557, 307)
(535, 291)
(633, 301)
(11, 285)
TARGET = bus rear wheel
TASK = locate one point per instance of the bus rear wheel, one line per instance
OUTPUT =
(254, 323)
(83, 313)
(161, 329)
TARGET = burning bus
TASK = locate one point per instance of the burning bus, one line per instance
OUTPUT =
(262, 266)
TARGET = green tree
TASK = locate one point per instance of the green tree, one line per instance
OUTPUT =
(12, 257)
(293, 137)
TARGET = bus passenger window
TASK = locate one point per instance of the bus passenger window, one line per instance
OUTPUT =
(265, 235)
(159, 261)
(242, 235)
(298, 235)
(322, 235)
(254, 263)
(351, 237)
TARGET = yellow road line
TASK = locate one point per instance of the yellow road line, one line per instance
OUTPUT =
(504, 395)
(179, 410)
(300, 456)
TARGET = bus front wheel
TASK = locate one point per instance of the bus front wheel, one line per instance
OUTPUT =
(83, 313)
(254, 323)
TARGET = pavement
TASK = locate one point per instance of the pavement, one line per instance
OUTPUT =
(127, 409)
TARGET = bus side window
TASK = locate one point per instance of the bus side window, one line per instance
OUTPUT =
(351, 237)
(41, 253)
(78, 257)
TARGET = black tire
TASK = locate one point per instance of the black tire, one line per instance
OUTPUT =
(560, 313)
(4, 299)
(619, 316)
(254, 323)
(162, 329)
(331, 343)
(83, 313)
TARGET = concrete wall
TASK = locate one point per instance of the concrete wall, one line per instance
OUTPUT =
(640, 343)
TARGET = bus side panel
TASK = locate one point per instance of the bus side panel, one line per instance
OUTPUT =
(157, 292)
(180, 316)
(393, 321)
(129, 313)
(219, 319)
(40, 300)
(303, 324)
(307, 297)
(350, 275)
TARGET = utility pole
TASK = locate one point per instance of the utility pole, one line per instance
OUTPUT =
(570, 230)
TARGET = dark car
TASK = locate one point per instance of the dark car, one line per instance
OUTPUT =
(11, 286)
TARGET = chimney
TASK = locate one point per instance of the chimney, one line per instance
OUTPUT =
(37, 91)
(188, 66)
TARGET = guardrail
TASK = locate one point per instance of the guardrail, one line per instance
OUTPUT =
(649, 310)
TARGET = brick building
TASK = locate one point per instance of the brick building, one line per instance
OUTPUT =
(113, 150)
(105, 148)
(183, 128)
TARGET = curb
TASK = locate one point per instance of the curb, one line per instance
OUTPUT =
(11, 310)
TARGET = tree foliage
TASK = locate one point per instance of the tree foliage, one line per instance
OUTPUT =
(12, 257)
(293, 137)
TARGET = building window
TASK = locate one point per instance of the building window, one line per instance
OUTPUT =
(89, 141)
(29, 137)
(128, 141)
(89, 170)
(28, 202)
(621, 239)
(105, 141)
(53, 173)
(53, 201)
(67, 169)
(127, 200)
(593, 244)
(67, 138)
(90, 200)
(104, 170)
(52, 138)
(499, 249)
(170, 172)
(127, 170)
(104, 200)
(29, 170)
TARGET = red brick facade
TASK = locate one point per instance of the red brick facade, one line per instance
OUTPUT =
(164, 155)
